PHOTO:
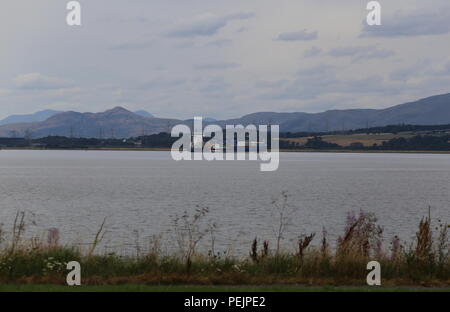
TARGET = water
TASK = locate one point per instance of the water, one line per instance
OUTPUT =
(139, 193)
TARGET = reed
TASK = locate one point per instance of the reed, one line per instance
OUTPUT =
(424, 261)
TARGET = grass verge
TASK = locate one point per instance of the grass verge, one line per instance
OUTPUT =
(191, 288)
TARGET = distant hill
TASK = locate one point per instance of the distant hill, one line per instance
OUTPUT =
(38, 116)
(429, 111)
(206, 120)
(144, 113)
(114, 123)
(122, 123)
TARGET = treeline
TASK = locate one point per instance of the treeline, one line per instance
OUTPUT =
(394, 129)
(419, 142)
(165, 141)
(416, 143)
(161, 140)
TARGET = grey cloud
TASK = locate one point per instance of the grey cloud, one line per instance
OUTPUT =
(187, 44)
(219, 43)
(310, 83)
(348, 51)
(314, 51)
(322, 79)
(128, 50)
(445, 71)
(160, 68)
(371, 84)
(271, 84)
(205, 25)
(140, 19)
(132, 45)
(303, 35)
(405, 73)
(316, 70)
(440, 71)
(416, 23)
(361, 52)
(377, 54)
(215, 86)
(217, 66)
(161, 83)
(37, 81)
(421, 69)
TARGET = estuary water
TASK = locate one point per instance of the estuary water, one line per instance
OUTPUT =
(140, 193)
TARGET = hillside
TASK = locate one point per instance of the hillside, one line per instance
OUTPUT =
(121, 123)
(36, 117)
(117, 122)
(429, 111)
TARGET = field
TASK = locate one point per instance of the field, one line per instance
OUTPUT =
(366, 139)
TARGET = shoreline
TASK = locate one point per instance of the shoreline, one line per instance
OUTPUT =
(281, 150)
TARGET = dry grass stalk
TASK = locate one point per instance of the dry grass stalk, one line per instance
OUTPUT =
(97, 239)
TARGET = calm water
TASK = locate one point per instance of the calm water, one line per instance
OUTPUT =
(140, 193)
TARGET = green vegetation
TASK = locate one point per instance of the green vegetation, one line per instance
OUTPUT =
(388, 138)
(191, 288)
(392, 129)
(424, 262)
(396, 143)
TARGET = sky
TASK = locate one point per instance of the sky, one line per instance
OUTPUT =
(221, 58)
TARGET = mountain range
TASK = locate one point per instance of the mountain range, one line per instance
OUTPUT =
(45, 114)
(122, 123)
(38, 116)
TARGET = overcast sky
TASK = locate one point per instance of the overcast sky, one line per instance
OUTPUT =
(221, 58)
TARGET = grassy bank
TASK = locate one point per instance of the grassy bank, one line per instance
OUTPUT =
(191, 288)
(423, 262)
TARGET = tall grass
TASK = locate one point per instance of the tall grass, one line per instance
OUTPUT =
(424, 261)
